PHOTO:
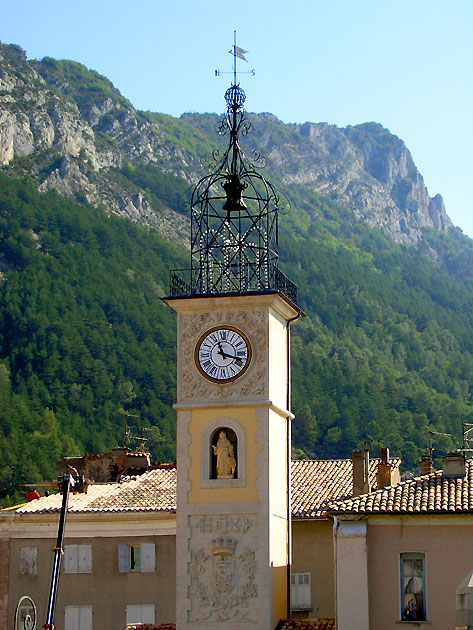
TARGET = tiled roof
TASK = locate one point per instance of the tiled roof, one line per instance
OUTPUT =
(307, 624)
(316, 484)
(153, 491)
(433, 493)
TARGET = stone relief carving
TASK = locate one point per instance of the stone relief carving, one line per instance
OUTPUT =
(222, 569)
(193, 384)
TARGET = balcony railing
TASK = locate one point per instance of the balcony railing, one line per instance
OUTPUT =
(217, 280)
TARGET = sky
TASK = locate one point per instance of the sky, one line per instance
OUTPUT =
(407, 64)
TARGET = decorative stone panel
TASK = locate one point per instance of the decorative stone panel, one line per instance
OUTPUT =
(222, 568)
(192, 385)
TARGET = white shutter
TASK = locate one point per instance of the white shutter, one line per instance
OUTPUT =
(300, 591)
(85, 617)
(71, 621)
(85, 558)
(133, 614)
(147, 614)
(71, 563)
(140, 614)
(29, 560)
(304, 590)
(148, 558)
(123, 559)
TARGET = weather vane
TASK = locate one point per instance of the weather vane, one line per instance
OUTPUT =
(238, 53)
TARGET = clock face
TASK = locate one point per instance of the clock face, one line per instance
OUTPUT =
(222, 354)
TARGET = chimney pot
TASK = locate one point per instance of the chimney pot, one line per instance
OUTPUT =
(453, 464)
(426, 466)
(360, 462)
(383, 474)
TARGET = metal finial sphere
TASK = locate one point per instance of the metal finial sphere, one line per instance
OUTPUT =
(235, 97)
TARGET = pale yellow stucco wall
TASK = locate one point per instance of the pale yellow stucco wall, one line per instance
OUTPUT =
(448, 546)
(200, 418)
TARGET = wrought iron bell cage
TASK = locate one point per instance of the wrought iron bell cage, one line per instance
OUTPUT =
(234, 222)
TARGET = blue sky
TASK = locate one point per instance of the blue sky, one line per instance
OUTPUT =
(407, 64)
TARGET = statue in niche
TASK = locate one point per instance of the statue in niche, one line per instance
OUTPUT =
(226, 463)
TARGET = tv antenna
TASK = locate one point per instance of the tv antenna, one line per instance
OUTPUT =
(238, 53)
(431, 439)
(467, 437)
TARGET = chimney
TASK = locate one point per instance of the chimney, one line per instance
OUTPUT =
(384, 475)
(426, 465)
(453, 464)
(361, 465)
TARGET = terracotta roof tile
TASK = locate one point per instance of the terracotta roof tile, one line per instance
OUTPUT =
(432, 493)
(153, 491)
(317, 483)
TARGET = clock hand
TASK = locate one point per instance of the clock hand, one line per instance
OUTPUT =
(223, 354)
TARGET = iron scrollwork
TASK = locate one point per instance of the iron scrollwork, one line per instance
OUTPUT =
(234, 220)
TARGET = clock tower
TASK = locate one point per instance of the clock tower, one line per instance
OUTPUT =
(234, 309)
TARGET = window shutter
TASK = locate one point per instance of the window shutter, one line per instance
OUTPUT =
(304, 590)
(133, 614)
(85, 558)
(300, 591)
(147, 614)
(71, 618)
(71, 564)
(29, 560)
(148, 558)
(123, 559)
(85, 617)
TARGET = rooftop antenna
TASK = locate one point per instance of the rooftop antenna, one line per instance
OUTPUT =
(238, 53)
(127, 432)
(142, 438)
(467, 445)
(431, 439)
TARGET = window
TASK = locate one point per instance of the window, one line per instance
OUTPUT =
(78, 558)
(140, 614)
(413, 587)
(78, 618)
(136, 558)
(29, 560)
(300, 591)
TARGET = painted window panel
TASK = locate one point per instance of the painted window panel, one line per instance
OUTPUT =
(301, 591)
(78, 618)
(412, 572)
(148, 558)
(140, 614)
(29, 560)
(78, 558)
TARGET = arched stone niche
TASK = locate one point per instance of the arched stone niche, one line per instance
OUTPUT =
(219, 435)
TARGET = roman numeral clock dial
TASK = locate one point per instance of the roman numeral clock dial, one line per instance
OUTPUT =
(223, 354)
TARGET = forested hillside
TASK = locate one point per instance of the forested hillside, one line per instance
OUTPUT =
(385, 352)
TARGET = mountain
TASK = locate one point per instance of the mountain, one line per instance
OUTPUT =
(93, 216)
(77, 134)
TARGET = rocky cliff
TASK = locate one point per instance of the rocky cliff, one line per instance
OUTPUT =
(74, 132)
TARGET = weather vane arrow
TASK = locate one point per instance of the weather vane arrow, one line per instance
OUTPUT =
(238, 53)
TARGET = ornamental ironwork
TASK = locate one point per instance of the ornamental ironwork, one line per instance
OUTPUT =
(234, 221)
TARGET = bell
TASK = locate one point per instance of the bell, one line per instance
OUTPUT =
(233, 189)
